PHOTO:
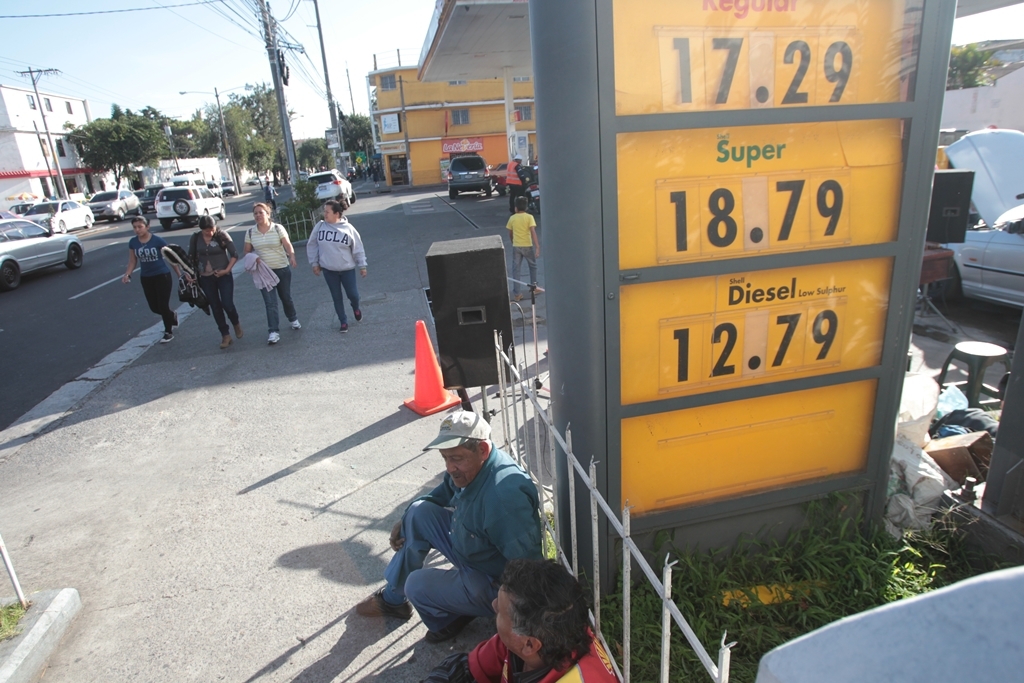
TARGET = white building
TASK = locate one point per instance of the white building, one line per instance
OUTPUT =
(1000, 104)
(25, 154)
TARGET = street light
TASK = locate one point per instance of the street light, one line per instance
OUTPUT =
(223, 127)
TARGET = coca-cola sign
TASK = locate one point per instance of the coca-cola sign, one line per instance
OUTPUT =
(462, 145)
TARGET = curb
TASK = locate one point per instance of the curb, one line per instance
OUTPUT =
(24, 658)
(59, 403)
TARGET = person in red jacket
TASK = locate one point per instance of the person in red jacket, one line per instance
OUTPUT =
(543, 634)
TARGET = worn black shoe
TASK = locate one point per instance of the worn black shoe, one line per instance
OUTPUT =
(359, 314)
(450, 631)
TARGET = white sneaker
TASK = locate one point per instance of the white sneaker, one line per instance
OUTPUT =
(296, 325)
(273, 338)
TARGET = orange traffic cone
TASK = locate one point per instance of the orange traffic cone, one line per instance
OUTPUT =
(431, 396)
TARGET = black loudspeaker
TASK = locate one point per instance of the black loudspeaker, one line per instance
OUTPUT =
(951, 203)
(469, 298)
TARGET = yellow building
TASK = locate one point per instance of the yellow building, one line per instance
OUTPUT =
(445, 120)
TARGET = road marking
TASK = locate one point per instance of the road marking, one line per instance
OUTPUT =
(103, 284)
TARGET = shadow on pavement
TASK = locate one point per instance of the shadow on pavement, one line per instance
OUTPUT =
(351, 562)
(379, 428)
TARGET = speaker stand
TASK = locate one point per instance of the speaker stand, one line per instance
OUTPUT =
(925, 304)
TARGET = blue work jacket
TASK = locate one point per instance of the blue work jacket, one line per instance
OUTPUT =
(496, 517)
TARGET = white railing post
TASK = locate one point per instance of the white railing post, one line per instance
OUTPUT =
(501, 384)
(627, 562)
(523, 388)
(724, 658)
(666, 618)
(594, 535)
(11, 573)
(569, 457)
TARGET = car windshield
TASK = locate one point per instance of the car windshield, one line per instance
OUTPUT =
(46, 207)
(468, 164)
(104, 197)
(227, 184)
(176, 193)
(153, 191)
(322, 178)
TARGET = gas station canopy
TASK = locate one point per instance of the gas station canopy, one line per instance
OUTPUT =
(477, 39)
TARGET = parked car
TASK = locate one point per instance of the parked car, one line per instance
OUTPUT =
(20, 209)
(214, 188)
(190, 179)
(187, 204)
(331, 185)
(499, 174)
(227, 188)
(149, 199)
(61, 216)
(114, 205)
(990, 262)
(253, 181)
(469, 174)
(26, 246)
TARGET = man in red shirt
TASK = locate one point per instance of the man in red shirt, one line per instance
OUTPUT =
(543, 634)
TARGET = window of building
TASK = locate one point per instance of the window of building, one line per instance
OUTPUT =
(60, 148)
(46, 103)
(525, 112)
(68, 105)
(460, 117)
(520, 79)
(387, 82)
(456, 82)
(31, 102)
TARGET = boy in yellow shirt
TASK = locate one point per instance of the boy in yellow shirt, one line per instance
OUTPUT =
(525, 245)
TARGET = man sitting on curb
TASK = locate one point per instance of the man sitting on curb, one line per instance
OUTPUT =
(482, 515)
(543, 634)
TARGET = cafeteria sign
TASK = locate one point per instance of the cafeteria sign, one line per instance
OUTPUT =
(462, 145)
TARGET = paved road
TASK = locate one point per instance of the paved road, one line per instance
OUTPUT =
(60, 322)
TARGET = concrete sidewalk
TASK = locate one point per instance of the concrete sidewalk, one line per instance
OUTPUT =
(222, 512)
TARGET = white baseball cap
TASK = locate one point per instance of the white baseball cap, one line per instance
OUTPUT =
(518, 157)
(457, 428)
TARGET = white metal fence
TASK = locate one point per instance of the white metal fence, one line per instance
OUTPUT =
(520, 405)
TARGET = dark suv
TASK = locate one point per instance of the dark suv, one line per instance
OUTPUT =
(469, 174)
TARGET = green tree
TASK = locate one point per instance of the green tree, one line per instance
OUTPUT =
(358, 133)
(313, 153)
(968, 66)
(120, 143)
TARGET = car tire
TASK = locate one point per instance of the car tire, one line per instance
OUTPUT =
(120, 215)
(138, 211)
(223, 213)
(490, 189)
(452, 194)
(502, 190)
(62, 227)
(166, 223)
(88, 222)
(181, 207)
(74, 260)
(352, 198)
(10, 276)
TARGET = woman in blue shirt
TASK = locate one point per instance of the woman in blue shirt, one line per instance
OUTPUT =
(144, 251)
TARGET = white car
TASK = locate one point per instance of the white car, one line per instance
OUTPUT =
(187, 204)
(990, 262)
(331, 185)
(61, 215)
(26, 246)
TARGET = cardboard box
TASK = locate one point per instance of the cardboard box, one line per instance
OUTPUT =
(963, 455)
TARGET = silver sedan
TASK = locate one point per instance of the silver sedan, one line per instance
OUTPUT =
(26, 246)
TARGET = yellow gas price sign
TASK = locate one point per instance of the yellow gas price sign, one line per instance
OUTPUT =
(697, 455)
(694, 55)
(692, 336)
(687, 195)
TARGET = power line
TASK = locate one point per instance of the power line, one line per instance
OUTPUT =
(107, 11)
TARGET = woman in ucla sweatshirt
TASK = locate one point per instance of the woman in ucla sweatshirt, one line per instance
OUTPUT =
(336, 250)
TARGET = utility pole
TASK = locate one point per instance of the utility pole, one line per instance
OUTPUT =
(227, 145)
(405, 129)
(35, 76)
(170, 143)
(282, 106)
(351, 97)
(46, 155)
(335, 119)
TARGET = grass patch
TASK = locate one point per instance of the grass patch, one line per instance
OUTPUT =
(766, 592)
(9, 618)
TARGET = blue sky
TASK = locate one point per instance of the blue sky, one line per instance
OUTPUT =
(146, 57)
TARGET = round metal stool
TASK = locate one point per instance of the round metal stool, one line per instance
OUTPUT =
(977, 357)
